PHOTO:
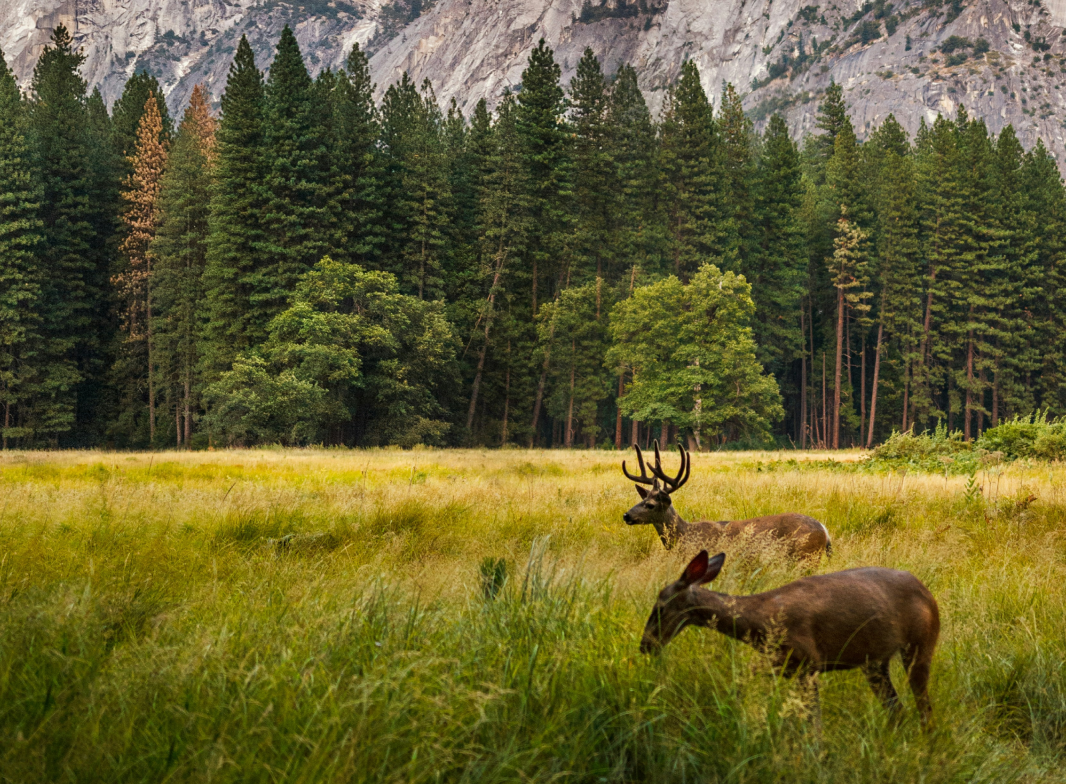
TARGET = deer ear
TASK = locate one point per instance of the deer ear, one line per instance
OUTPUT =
(714, 566)
(642, 492)
(695, 570)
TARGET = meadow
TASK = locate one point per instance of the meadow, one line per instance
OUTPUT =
(153, 627)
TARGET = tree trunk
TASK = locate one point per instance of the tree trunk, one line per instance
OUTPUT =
(569, 438)
(540, 387)
(803, 383)
(188, 407)
(906, 394)
(967, 432)
(7, 420)
(877, 376)
(151, 375)
(862, 389)
(634, 432)
(177, 423)
(825, 408)
(837, 370)
(501, 258)
(981, 408)
(618, 414)
(995, 397)
(506, 396)
(664, 436)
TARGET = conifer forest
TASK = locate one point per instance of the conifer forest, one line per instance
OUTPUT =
(297, 262)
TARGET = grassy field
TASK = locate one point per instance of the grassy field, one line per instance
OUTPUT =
(149, 631)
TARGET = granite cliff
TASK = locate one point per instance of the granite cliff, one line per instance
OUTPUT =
(1002, 59)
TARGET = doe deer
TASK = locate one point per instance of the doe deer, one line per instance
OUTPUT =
(857, 618)
(804, 536)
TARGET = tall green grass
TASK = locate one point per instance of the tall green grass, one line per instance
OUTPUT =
(153, 628)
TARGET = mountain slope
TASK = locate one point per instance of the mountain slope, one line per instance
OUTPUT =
(912, 59)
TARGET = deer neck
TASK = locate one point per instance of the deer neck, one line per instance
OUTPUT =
(740, 617)
(672, 529)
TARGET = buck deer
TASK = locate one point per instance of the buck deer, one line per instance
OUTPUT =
(840, 621)
(805, 537)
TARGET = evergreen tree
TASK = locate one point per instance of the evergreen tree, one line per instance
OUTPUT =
(577, 377)
(778, 261)
(1044, 234)
(504, 228)
(547, 157)
(848, 271)
(127, 111)
(595, 188)
(72, 293)
(180, 251)
(295, 219)
(897, 268)
(700, 224)
(236, 232)
(639, 225)
(134, 282)
(542, 127)
(419, 195)
(20, 273)
(357, 164)
(738, 156)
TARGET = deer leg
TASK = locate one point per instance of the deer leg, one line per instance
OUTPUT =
(918, 676)
(881, 682)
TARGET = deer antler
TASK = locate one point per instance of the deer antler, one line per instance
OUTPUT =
(672, 483)
(643, 479)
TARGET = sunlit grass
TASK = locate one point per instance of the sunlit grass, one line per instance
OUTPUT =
(150, 629)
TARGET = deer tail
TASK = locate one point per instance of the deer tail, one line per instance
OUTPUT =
(828, 549)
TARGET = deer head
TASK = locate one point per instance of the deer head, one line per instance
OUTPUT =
(674, 608)
(655, 506)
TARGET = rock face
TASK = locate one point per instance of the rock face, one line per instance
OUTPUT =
(1002, 59)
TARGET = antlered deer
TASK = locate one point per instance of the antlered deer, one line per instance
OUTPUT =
(804, 536)
(840, 621)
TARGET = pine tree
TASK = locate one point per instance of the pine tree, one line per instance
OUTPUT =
(542, 127)
(778, 262)
(832, 118)
(357, 164)
(236, 232)
(180, 251)
(547, 156)
(848, 270)
(20, 273)
(295, 218)
(72, 294)
(700, 225)
(897, 265)
(134, 283)
(127, 111)
(639, 224)
(595, 189)
(419, 192)
(738, 148)
(504, 227)
(1044, 235)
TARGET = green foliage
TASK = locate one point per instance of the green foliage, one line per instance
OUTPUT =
(692, 357)
(20, 272)
(235, 228)
(349, 350)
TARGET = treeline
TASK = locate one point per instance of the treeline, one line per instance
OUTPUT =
(312, 267)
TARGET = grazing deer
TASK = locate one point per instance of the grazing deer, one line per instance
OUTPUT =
(804, 536)
(840, 621)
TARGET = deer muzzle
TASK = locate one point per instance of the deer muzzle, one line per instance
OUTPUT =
(650, 645)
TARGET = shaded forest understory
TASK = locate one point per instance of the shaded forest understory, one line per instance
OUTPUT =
(310, 266)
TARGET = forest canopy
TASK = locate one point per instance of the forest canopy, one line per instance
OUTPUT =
(308, 264)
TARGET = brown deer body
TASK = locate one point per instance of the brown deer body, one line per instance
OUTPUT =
(857, 618)
(803, 536)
